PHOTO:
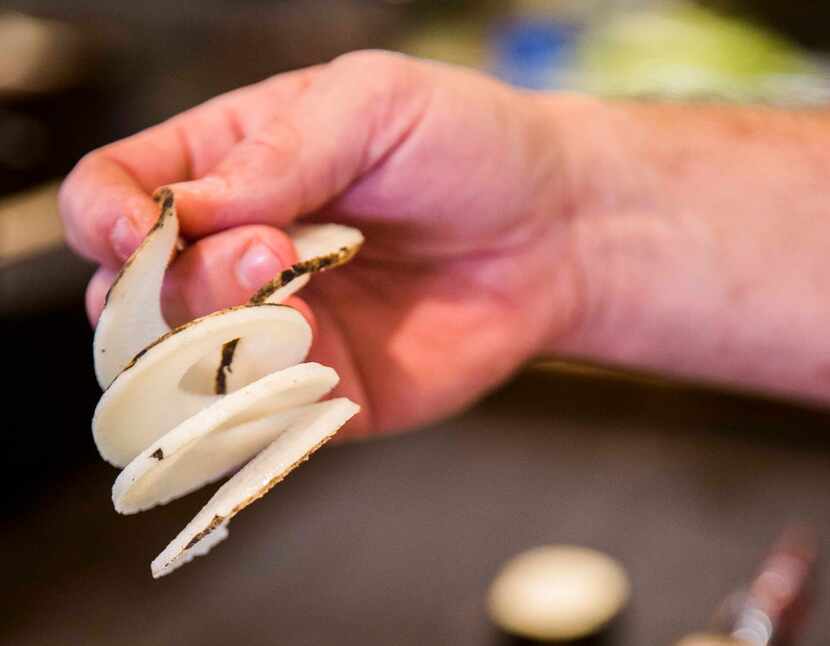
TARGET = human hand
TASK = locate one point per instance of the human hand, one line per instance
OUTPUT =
(499, 224)
(457, 181)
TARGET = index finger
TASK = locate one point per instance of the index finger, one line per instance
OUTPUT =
(106, 201)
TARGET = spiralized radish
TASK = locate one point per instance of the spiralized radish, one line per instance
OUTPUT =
(185, 407)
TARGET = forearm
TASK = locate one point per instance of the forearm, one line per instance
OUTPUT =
(703, 240)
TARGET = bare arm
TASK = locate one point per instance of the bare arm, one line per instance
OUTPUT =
(704, 237)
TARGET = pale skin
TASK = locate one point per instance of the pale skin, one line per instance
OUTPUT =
(501, 225)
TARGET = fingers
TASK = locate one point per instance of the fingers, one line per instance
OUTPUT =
(223, 270)
(263, 154)
(219, 271)
(96, 293)
(104, 212)
(105, 202)
(353, 113)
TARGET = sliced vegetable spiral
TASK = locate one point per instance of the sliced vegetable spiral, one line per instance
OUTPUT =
(185, 407)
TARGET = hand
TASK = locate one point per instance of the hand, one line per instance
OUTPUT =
(458, 182)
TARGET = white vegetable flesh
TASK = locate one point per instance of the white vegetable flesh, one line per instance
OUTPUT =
(160, 416)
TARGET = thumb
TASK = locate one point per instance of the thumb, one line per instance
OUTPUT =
(355, 112)
(223, 270)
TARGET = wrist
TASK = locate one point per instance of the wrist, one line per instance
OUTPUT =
(696, 231)
(636, 258)
(593, 186)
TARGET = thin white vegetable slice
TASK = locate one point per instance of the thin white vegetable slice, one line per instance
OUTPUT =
(156, 393)
(218, 439)
(165, 412)
(132, 316)
(294, 446)
(319, 247)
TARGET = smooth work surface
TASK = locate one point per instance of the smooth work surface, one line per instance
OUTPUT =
(394, 541)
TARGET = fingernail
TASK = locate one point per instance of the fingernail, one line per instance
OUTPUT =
(123, 238)
(257, 266)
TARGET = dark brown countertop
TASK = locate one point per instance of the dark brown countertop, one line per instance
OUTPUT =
(394, 541)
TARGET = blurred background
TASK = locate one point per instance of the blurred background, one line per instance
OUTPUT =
(393, 542)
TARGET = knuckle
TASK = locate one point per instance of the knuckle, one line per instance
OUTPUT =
(386, 87)
(67, 195)
(71, 184)
(379, 70)
(371, 58)
(281, 138)
(88, 162)
(81, 231)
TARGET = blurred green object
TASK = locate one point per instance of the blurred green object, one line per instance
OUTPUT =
(690, 52)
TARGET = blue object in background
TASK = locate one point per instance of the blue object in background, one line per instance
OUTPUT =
(532, 53)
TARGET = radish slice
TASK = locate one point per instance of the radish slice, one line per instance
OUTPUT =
(219, 438)
(319, 248)
(132, 315)
(254, 480)
(185, 407)
(157, 391)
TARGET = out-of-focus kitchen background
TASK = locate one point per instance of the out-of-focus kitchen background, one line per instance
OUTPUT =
(75, 75)
(393, 542)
